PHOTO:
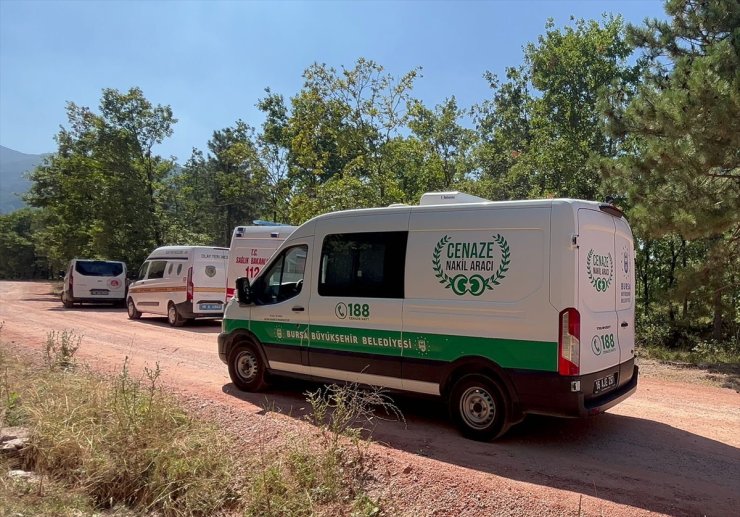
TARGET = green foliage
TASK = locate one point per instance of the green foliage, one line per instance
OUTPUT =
(101, 192)
(446, 144)
(680, 166)
(332, 471)
(18, 254)
(542, 129)
(224, 189)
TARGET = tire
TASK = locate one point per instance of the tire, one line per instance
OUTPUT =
(478, 407)
(174, 318)
(68, 304)
(133, 314)
(246, 368)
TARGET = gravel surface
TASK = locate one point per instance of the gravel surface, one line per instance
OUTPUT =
(672, 448)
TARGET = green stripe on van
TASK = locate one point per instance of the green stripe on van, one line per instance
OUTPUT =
(507, 353)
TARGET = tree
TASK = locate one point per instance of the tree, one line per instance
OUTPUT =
(224, 189)
(446, 142)
(542, 129)
(102, 190)
(339, 128)
(18, 258)
(680, 164)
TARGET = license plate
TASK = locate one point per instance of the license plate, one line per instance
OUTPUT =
(605, 383)
(99, 291)
(209, 306)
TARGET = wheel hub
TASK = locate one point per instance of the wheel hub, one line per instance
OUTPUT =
(246, 366)
(477, 407)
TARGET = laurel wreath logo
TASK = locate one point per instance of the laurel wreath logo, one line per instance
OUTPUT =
(474, 284)
(600, 284)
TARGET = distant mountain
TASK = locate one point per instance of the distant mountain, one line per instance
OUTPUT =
(13, 180)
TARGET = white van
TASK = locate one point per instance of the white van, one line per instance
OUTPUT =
(251, 248)
(94, 281)
(502, 308)
(180, 282)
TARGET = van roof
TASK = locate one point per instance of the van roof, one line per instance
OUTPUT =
(164, 252)
(445, 201)
(97, 260)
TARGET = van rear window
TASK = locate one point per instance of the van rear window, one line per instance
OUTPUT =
(98, 268)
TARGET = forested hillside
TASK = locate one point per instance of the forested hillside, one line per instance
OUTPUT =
(13, 181)
(649, 115)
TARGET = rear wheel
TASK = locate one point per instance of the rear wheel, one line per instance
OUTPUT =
(174, 317)
(246, 368)
(133, 314)
(68, 304)
(478, 407)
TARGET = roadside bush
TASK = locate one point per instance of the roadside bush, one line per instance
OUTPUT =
(60, 349)
(127, 443)
(329, 472)
(122, 445)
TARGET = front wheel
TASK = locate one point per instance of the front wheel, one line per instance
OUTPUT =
(478, 407)
(246, 368)
(133, 314)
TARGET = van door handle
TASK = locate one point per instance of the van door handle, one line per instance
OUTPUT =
(624, 324)
(298, 308)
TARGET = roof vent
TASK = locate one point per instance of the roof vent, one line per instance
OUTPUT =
(450, 198)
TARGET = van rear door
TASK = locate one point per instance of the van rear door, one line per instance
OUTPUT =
(209, 280)
(625, 278)
(99, 279)
(597, 291)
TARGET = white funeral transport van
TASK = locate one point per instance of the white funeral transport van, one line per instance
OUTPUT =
(180, 282)
(501, 308)
(94, 281)
(251, 248)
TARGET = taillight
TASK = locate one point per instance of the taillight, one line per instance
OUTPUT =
(190, 284)
(569, 342)
(71, 283)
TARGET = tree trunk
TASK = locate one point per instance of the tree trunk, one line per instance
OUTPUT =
(717, 324)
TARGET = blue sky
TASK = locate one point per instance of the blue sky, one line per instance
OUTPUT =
(211, 61)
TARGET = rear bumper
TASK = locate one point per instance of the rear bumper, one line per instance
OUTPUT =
(99, 299)
(186, 309)
(549, 393)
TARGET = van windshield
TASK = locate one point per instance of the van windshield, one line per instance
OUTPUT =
(98, 268)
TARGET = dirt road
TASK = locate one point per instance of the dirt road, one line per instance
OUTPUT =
(672, 448)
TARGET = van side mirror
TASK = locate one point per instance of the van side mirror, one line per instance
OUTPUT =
(243, 291)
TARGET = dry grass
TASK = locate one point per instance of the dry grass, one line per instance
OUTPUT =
(123, 446)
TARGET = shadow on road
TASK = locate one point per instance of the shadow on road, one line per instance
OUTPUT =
(199, 326)
(631, 461)
(89, 307)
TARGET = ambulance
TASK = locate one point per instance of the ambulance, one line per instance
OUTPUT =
(500, 308)
(180, 282)
(251, 248)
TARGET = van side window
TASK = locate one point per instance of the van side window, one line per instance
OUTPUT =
(369, 265)
(179, 269)
(284, 279)
(156, 269)
(169, 269)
